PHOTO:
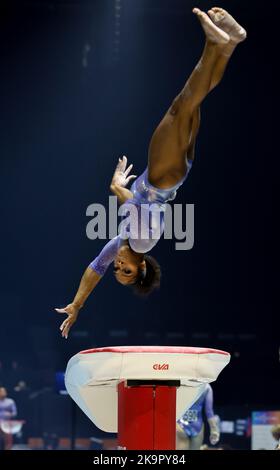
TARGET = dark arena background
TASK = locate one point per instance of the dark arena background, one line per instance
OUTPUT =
(82, 83)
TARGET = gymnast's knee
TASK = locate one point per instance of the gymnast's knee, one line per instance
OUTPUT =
(183, 103)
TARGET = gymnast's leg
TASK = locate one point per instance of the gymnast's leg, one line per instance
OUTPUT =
(173, 142)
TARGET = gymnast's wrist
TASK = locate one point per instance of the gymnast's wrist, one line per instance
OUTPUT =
(213, 424)
(113, 187)
(77, 304)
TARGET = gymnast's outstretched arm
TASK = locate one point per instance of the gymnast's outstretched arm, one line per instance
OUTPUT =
(88, 282)
(96, 270)
(91, 277)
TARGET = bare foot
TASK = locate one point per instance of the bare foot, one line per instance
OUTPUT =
(213, 32)
(227, 23)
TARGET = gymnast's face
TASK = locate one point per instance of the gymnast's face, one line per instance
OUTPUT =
(126, 266)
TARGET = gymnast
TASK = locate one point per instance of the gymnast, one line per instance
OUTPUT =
(190, 427)
(170, 157)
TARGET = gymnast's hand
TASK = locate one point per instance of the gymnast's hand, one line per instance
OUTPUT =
(120, 177)
(214, 437)
(72, 311)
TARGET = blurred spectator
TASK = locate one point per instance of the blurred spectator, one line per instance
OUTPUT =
(21, 387)
(15, 374)
(275, 431)
(190, 427)
(16, 377)
(8, 410)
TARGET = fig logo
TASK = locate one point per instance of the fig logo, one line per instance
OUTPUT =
(161, 366)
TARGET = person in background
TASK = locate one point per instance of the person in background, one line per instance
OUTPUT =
(275, 431)
(8, 410)
(15, 374)
(190, 427)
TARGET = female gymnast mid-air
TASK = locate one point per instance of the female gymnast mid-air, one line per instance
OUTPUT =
(170, 157)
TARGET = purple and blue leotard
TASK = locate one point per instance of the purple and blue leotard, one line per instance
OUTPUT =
(148, 204)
